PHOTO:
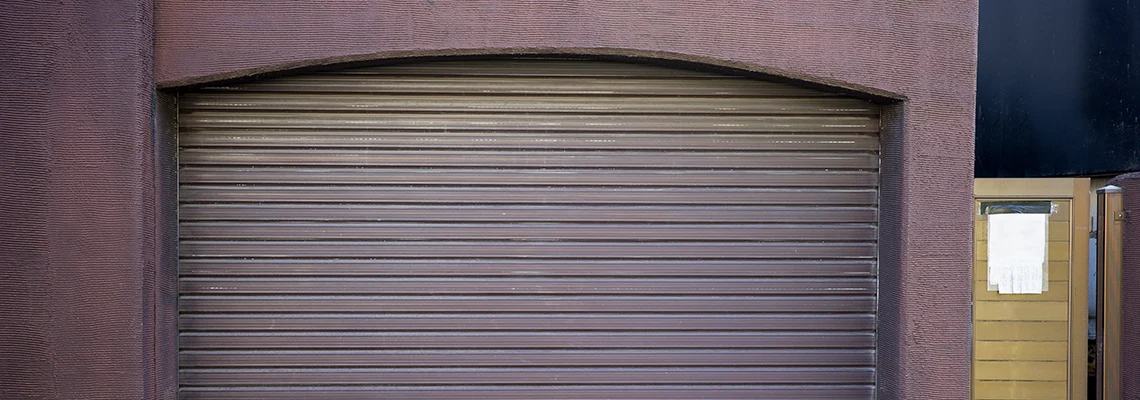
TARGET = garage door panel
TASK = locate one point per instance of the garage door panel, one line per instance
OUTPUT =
(526, 122)
(526, 228)
(359, 322)
(491, 376)
(522, 304)
(404, 268)
(514, 213)
(539, 177)
(214, 194)
(506, 249)
(323, 340)
(534, 358)
(518, 286)
(539, 140)
(521, 104)
(527, 159)
(530, 392)
(524, 231)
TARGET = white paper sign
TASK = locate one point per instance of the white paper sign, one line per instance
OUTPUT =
(1017, 250)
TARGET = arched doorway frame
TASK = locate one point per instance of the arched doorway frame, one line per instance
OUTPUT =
(894, 315)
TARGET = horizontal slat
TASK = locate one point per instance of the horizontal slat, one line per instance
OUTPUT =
(525, 340)
(523, 104)
(523, 231)
(519, 177)
(528, 358)
(1021, 330)
(523, 304)
(1021, 311)
(530, 67)
(720, 321)
(491, 376)
(381, 286)
(526, 122)
(506, 213)
(1021, 350)
(1019, 390)
(528, 140)
(1021, 370)
(527, 268)
(525, 195)
(530, 392)
(525, 159)
(544, 85)
(511, 249)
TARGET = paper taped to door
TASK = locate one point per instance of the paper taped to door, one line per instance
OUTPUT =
(1017, 253)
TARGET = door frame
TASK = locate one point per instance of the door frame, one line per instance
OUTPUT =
(1076, 190)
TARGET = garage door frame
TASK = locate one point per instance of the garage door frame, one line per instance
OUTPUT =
(890, 243)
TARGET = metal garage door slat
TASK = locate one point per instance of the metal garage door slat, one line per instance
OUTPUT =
(359, 322)
(506, 249)
(523, 231)
(509, 213)
(530, 392)
(526, 122)
(697, 196)
(527, 159)
(488, 139)
(515, 286)
(526, 228)
(398, 268)
(514, 104)
(508, 358)
(524, 340)
(537, 177)
(507, 376)
(524, 304)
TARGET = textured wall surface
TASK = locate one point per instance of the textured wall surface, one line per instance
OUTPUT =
(1130, 286)
(925, 51)
(76, 236)
(82, 232)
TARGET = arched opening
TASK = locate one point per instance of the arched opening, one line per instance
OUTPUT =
(527, 228)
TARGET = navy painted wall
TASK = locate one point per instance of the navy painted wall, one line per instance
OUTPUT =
(1058, 88)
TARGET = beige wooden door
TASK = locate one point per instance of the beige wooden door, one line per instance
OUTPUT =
(1033, 346)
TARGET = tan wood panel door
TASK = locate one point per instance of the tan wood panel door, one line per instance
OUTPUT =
(1030, 345)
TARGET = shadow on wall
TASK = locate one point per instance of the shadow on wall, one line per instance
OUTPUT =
(1058, 88)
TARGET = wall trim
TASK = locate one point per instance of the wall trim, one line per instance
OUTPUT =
(609, 53)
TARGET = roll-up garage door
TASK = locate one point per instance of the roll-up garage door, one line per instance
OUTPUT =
(526, 229)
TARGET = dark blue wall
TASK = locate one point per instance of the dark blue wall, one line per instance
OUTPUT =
(1058, 88)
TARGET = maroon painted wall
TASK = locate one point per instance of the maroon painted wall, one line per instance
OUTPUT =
(924, 51)
(1130, 286)
(85, 310)
(76, 226)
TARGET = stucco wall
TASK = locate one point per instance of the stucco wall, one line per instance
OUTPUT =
(76, 226)
(81, 198)
(925, 51)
